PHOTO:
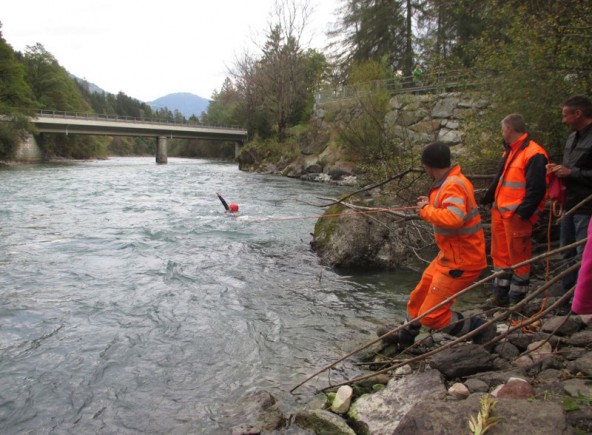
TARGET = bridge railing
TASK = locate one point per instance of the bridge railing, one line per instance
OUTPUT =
(431, 81)
(116, 118)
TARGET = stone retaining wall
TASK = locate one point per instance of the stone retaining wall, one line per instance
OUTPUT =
(28, 151)
(421, 119)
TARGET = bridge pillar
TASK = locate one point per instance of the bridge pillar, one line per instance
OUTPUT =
(161, 149)
(237, 147)
(28, 150)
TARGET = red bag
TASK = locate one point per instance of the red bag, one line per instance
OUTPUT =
(557, 190)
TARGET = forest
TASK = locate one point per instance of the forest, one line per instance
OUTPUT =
(528, 56)
(34, 80)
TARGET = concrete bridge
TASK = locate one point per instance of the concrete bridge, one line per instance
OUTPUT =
(91, 124)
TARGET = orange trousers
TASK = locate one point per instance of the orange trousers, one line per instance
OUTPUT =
(436, 285)
(510, 243)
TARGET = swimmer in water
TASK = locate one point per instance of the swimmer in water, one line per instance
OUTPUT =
(230, 208)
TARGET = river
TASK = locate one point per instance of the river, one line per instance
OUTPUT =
(131, 303)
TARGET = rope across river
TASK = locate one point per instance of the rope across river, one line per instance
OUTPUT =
(330, 215)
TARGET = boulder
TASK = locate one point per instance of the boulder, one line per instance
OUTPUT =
(582, 338)
(515, 388)
(428, 127)
(451, 124)
(319, 401)
(553, 340)
(551, 362)
(460, 113)
(323, 422)
(575, 387)
(356, 242)
(342, 400)
(409, 117)
(248, 157)
(459, 391)
(466, 103)
(584, 364)
(314, 168)
(445, 107)
(450, 137)
(501, 364)
(255, 412)
(524, 361)
(549, 376)
(562, 326)
(315, 146)
(516, 416)
(520, 340)
(381, 412)
(462, 361)
(581, 420)
(395, 103)
(572, 353)
(477, 386)
(404, 370)
(539, 350)
(493, 379)
(337, 172)
(506, 350)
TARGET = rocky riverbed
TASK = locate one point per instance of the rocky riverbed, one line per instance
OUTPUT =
(536, 379)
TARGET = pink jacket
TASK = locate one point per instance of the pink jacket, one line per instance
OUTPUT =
(582, 301)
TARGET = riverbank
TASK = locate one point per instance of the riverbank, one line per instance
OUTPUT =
(534, 379)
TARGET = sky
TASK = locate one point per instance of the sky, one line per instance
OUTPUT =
(147, 48)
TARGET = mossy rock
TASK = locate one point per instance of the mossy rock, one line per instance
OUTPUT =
(323, 422)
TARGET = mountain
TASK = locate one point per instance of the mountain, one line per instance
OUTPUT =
(186, 103)
(91, 86)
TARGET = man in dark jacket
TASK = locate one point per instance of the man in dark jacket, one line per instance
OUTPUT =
(576, 173)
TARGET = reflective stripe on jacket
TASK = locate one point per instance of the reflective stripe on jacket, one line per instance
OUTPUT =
(514, 185)
(453, 212)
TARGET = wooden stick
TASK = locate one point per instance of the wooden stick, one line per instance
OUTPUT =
(574, 208)
(374, 186)
(471, 333)
(441, 304)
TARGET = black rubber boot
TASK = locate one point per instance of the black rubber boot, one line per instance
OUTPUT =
(485, 334)
(460, 326)
(500, 290)
(518, 290)
(403, 338)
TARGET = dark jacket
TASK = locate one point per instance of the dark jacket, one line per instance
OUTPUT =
(579, 159)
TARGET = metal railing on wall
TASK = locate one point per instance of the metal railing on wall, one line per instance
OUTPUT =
(431, 81)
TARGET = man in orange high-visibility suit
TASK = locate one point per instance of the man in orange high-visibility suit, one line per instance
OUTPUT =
(453, 212)
(518, 195)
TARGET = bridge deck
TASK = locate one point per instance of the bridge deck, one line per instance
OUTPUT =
(60, 122)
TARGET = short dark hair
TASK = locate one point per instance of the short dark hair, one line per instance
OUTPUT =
(516, 122)
(580, 102)
(436, 155)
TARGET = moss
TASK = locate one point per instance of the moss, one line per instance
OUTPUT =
(330, 398)
(378, 387)
(298, 130)
(352, 413)
(325, 227)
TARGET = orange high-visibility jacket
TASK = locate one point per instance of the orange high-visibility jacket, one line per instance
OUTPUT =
(453, 212)
(511, 190)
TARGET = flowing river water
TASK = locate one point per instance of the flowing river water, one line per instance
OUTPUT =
(131, 303)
